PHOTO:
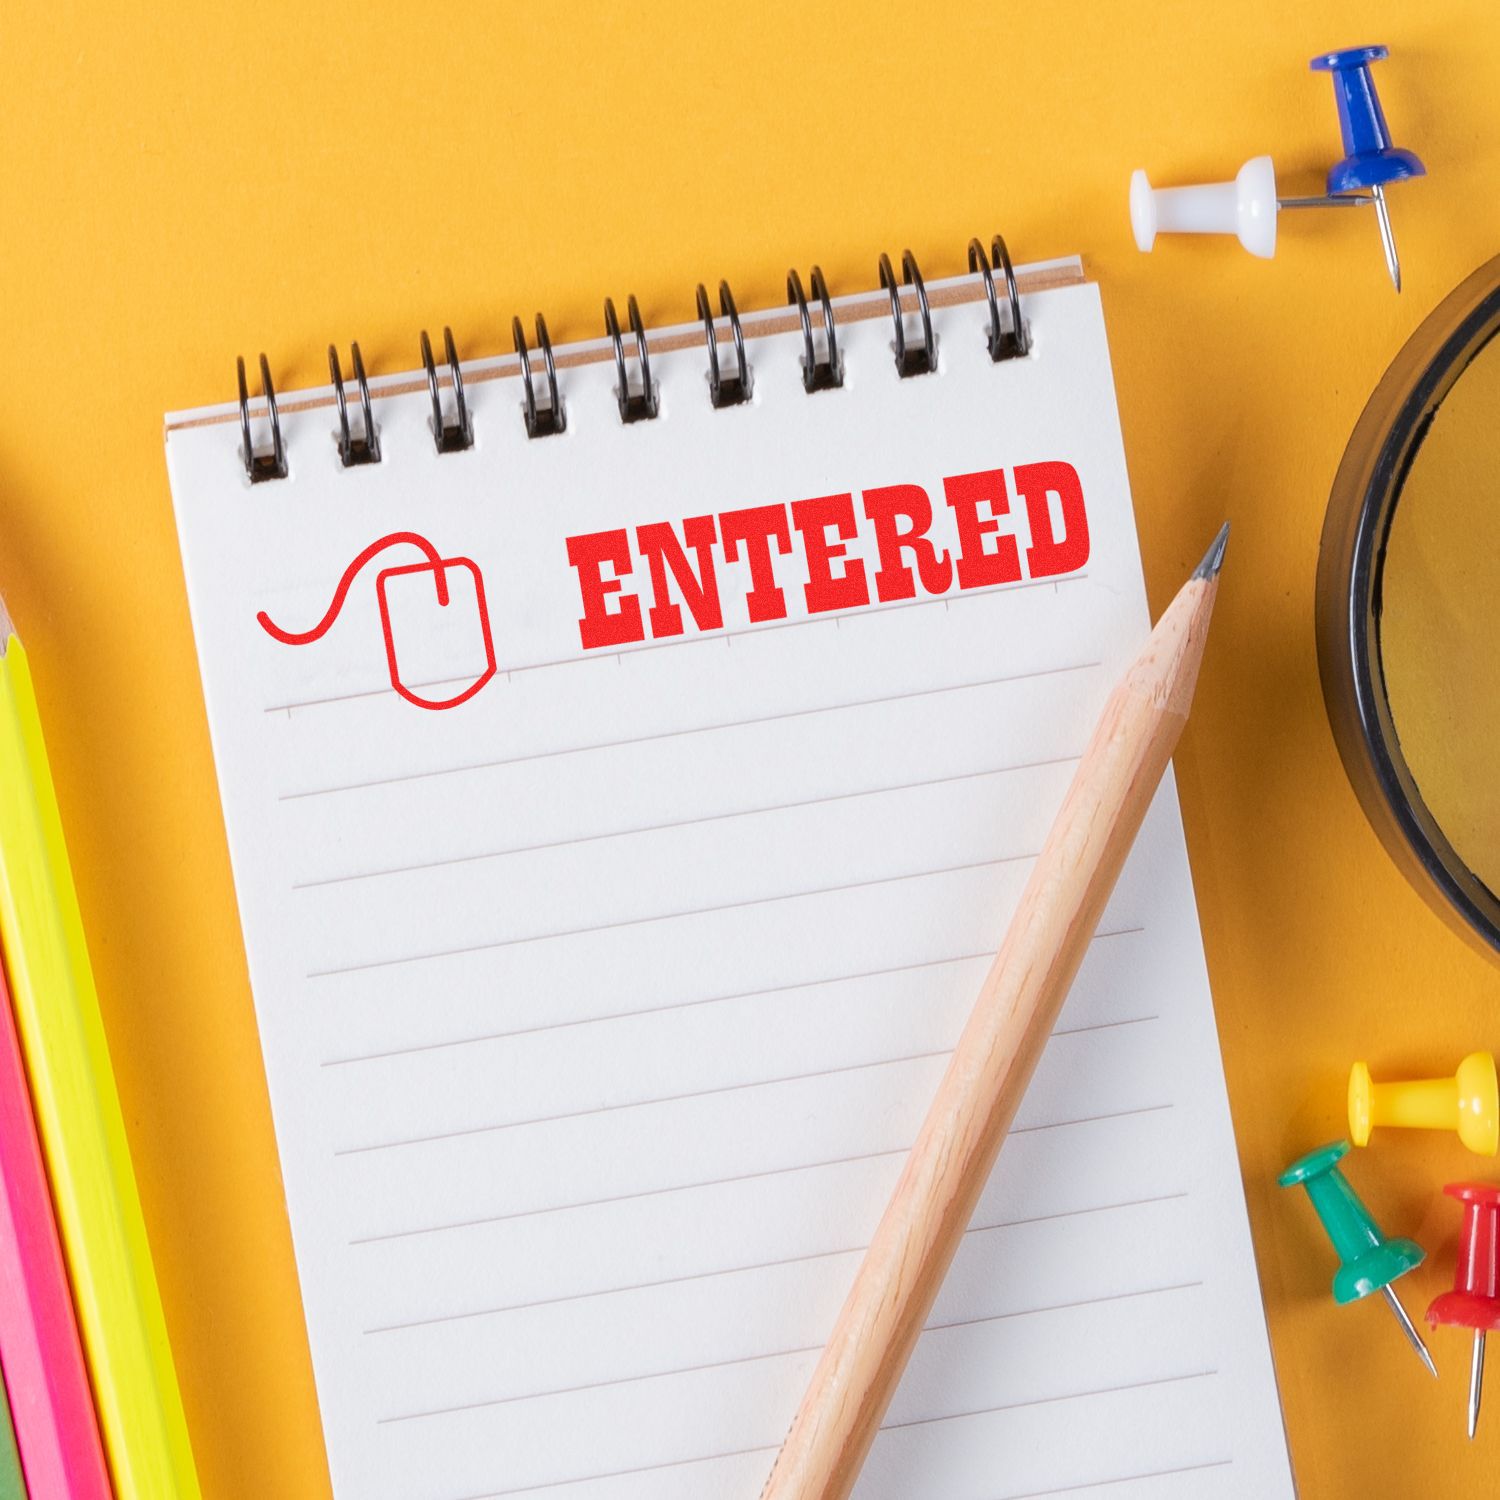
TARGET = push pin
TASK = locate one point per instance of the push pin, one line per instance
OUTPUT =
(1370, 160)
(1469, 1103)
(1474, 1301)
(1245, 208)
(1369, 1261)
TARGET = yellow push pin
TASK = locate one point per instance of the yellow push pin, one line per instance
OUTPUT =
(1469, 1103)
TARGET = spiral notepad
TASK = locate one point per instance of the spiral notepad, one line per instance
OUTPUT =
(631, 752)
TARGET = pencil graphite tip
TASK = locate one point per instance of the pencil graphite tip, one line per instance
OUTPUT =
(1213, 559)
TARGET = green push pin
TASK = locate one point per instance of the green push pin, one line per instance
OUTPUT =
(1370, 1262)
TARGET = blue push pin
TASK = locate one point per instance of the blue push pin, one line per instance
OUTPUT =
(1370, 160)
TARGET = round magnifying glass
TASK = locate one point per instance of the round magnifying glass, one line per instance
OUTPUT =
(1408, 601)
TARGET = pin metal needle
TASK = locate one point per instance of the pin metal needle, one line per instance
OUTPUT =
(1474, 1302)
(1327, 200)
(1476, 1382)
(1407, 1327)
(1387, 239)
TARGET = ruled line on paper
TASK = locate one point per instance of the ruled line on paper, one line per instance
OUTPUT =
(706, 1458)
(713, 639)
(692, 729)
(1108, 1390)
(762, 1357)
(676, 1463)
(609, 1109)
(667, 916)
(1113, 1114)
(683, 1187)
(656, 1010)
(1105, 1025)
(1099, 1484)
(655, 1100)
(765, 1265)
(707, 1182)
(679, 823)
(679, 1187)
(704, 1000)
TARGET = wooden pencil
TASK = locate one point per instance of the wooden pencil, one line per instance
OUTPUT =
(78, 1115)
(1016, 1010)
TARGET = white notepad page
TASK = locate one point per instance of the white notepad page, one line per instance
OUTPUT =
(599, 1010)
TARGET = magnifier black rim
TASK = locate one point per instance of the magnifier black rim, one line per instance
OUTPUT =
(1355, 539)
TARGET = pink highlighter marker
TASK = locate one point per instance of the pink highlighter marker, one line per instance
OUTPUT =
(45, 1375)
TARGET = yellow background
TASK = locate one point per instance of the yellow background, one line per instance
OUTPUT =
(179, 184)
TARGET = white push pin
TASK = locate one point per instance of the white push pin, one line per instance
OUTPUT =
(1245, 208)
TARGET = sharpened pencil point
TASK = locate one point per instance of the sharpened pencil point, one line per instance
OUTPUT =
(1213, 559)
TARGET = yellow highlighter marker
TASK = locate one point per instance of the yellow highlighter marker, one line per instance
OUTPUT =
(78, 1115)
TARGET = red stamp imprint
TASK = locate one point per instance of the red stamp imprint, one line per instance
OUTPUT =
(440, 569)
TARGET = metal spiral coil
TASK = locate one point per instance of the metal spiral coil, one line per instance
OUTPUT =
(911, 360)
(724, 390)
(541, 421)
(458, 435)
(364, 449)
(730, 382)
(261, 466)
(635, 406)
(1004, 343)
(826, 374)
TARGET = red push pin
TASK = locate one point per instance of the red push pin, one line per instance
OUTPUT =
(1474, 1301)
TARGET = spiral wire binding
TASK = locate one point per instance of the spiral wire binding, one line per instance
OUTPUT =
(1007, 337)
(733, 389)
(546, 420)
(634, 406)
(826, 374)
(1014, 342)
(456, 436)
(364, 449)
(922, 359)
(259, 466)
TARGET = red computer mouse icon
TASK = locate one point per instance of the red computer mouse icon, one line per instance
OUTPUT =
(443, 571)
